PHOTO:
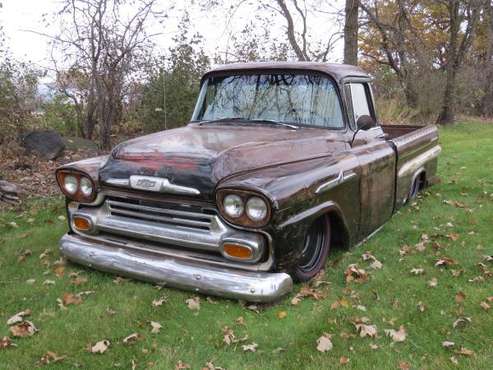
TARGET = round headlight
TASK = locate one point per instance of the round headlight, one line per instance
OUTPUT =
(256, 209)
(86, 186)
(233, 205)
(70, 184)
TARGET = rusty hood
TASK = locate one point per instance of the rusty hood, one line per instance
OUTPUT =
(199, 157)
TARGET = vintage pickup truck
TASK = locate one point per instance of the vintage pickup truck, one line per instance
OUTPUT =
(280, 163)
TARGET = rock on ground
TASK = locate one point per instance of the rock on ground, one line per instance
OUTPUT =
(48, 144)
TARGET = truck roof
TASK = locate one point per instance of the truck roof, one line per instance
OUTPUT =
(335, 70)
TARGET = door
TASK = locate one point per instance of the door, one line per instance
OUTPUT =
(376, 159)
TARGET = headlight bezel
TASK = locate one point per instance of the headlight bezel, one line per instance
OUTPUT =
(245, 196)
(79, 195)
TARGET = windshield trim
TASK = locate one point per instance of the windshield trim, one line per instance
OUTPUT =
(208, 75)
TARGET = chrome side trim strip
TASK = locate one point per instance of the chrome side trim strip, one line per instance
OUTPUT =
(414, 164)
(118, 182)
(341, 177)
(173, 272)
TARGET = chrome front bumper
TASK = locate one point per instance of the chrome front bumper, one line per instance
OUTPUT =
(175, 272)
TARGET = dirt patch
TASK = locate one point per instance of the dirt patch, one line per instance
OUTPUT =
(33, 175)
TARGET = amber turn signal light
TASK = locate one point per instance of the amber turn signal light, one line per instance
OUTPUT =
(82, 223)
(238, 251)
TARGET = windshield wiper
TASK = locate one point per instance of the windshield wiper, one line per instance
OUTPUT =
(246, 120)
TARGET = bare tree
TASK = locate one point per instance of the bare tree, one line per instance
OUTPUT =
(101, 39)
(351, 26)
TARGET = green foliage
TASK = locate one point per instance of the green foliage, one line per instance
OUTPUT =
(60, 115)
(390, 297)
(169, 96)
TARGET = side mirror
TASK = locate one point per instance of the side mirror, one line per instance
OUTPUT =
(365, 122)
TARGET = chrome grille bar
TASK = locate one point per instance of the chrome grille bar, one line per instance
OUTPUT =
(160, 214)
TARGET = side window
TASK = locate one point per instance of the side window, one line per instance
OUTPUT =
(359, 100)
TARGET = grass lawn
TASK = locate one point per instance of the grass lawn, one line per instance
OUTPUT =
(457, 216)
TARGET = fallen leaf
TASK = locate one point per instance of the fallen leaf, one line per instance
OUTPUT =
(353, 273)
(23, 329)
(465, 352)
(209, 365)
(193, 303)
(45, 254)
(49, 282)
(281, 315)
(250, 347)
(240, 320)
(488, 258)
(6, 342)
(485, 306)
(228, 335)
(79, 280)
(70, 298)
(132, 338)
(460, 297)
(343, 360)
(18, 317)
(421, 306)
(119, 280)
(101, 346)
(461, 322)
(156, 327)
(30, 281)
(447, 344)
(433, 282)
(341, 302)
(50, 357)
(374, 346)
(304, 292)
(404, 365)
(59, 270)
(397, 335)
(159, 302)
(182, 365)
(417, 271)
(453, 236)
(445, 261)
(454, 360)
(364, 329)
(324, 343)
(24, 254)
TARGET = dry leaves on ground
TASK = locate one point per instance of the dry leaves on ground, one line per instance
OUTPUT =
(461, 322)
(465, 352)
(6, 342)
(100, 347)
(306, 291)
(193, 303)
(159, 302)
(324, 343)
(355, 274)
(250, 347)
(445, 261)
(281, 315)
(70, 298)
(23, 329)
(397, 335)
(417, 271)
(447, 344)
(433, 282)
(18, 317)
(132, 338)
(364, 328)
(51, 357)
(156, 327)
(375, 264)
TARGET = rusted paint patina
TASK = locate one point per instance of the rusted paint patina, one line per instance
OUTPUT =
(358, 178)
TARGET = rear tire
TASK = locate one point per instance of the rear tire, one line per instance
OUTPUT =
(315, 251)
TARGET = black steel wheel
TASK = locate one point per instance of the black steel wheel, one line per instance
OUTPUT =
(315, 250)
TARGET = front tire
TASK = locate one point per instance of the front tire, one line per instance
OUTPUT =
(315, 251)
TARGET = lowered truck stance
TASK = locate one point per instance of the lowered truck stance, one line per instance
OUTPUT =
(280, 163)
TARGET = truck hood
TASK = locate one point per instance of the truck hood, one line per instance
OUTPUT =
(200, 156)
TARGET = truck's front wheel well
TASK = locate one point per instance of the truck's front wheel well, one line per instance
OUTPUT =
(339, 236)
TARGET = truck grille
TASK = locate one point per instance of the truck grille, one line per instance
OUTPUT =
(183, 216)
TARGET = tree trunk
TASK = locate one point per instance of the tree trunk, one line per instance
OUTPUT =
(486, 106)
(351, 32)
(447, 113)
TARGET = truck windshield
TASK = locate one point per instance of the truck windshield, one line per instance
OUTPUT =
(299, 99)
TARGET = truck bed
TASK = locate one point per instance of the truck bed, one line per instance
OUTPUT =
(416, 148)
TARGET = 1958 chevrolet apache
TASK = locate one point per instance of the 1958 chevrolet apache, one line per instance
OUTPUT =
(280, 163)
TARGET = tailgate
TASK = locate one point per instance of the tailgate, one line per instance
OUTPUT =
(417, 151)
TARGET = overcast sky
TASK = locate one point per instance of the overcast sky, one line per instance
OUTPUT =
(19, 16)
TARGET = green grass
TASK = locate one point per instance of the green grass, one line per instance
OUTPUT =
(391, 294)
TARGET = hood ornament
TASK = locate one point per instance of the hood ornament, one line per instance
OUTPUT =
(155, 184)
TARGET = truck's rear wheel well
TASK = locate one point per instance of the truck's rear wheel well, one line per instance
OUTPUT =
(339, 236)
